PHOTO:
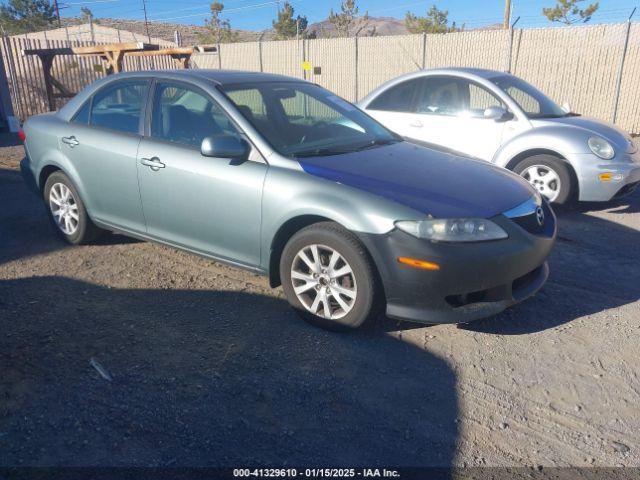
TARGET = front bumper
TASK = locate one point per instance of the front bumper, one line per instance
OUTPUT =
(625, 172)
(475, 280)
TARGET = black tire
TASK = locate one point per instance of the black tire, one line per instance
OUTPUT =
(368, 293)
(567, 187)
(86, 231)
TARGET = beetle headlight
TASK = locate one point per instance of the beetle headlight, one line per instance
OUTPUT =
(601, 148)
(453, 229)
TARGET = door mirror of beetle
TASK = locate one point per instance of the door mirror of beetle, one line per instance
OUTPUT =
(498, 114)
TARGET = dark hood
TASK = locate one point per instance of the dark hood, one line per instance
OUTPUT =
(427, 180)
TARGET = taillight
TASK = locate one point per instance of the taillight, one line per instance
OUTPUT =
(22, 135)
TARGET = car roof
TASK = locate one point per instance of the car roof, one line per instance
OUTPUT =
(480, 72)
(219, 77)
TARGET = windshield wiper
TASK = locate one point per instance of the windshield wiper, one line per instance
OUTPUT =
(326, 151)
(319, 152)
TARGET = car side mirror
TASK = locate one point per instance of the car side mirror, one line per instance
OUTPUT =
(498, 114)
(225, 146)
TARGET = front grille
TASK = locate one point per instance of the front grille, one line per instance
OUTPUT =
(531, 225)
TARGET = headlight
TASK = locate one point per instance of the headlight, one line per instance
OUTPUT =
(601, 148)
(453, 229)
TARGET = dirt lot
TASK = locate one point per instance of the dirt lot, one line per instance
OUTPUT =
(210, 367)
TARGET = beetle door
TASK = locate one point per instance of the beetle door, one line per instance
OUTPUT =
(449, 111)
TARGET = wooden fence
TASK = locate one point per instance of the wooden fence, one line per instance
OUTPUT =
(26, 79)
(587, 66)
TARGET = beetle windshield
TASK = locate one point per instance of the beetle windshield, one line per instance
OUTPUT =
(532, 101)
(303, 120)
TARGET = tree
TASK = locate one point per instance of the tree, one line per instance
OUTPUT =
(20, 16)
(436, 21)
(288, 27)
(343, 21)
(219, 30)
(86, 15)
(569, 12)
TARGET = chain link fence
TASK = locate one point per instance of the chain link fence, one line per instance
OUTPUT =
(594, 68)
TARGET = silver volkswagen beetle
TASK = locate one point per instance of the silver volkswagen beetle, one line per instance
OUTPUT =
(284, 178)
(502, 119)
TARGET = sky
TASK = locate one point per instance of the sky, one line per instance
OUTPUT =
(258, 14)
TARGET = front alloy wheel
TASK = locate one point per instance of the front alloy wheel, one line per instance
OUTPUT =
(549, 175)
(545, 180)
(329, 277)
(324, 282)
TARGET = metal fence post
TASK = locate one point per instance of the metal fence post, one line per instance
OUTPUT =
(510, 50)
(616, 101)
(219, 57)
(424, 50)
(355, 39)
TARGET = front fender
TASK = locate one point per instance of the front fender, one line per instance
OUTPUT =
(290, 193)
(561, 140)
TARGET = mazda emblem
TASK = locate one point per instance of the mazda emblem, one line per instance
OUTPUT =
(540, 216)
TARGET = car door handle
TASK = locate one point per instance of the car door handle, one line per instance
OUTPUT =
(153, 163)
(71, 141)
(416, 124)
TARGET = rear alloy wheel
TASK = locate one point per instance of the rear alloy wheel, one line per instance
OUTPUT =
(548, 175)
(328, 277)
(67, 212)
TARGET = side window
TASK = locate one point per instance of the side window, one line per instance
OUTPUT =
(480, 99)
(119, 107)
(455, 96)
(398, 98)
(440, 96)
(529, 104)
(184, 115)
(300, 108)
(250, 103)
(82, 115)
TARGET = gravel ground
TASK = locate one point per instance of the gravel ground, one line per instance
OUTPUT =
(209, 366)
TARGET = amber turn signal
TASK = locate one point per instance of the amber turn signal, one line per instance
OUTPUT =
(414, 262)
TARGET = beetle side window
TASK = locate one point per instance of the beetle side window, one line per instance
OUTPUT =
(439, 96)
(398, 98)
(454, 97)
(480, 99)
(119, 107)
(186, 116)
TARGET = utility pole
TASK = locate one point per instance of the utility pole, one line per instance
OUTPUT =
(507, 14)
(55, 5)
(146, 22)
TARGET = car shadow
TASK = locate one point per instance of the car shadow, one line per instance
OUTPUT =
(592, 269)
(208, 378)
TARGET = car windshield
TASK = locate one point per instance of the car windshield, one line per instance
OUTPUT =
(303, 120)
(532, 101)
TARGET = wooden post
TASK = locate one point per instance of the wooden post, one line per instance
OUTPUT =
(47, 62)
